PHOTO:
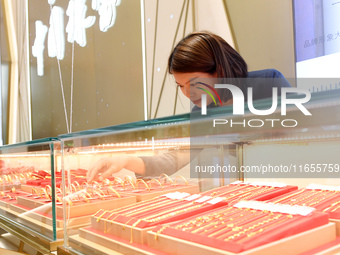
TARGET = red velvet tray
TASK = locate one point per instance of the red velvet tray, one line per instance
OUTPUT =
(296, 224)
(241, 191)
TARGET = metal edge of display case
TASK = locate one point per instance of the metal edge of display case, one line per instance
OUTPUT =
(29, 237)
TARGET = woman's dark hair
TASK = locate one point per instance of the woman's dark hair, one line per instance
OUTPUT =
(209, 53)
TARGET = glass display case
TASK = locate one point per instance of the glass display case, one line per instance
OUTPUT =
(190, 165)
(29, 185)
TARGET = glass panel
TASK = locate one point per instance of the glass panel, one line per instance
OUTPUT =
(186, 151)
(30, 178)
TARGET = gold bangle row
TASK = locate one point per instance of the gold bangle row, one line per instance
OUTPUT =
(166, 177)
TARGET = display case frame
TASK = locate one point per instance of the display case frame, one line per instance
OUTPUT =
(234, 142)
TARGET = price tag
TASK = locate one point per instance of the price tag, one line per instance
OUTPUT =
(203, 199)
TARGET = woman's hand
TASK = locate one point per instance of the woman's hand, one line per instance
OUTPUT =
(110, 165)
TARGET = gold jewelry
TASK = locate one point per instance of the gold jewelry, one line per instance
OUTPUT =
(105, 182)
(160, 231)
(260, 230)
(13, 190)
(114, 191)
(43, 191)
(99, 217)
(78, 185)
(251, 227)
(166, 177)
(180, 176)
(48, 188)
(157, 181)
(140, 204)
(73, 188)
(68, 200)
(99, 194)
(120, 181)
(85, 197)
(34, 190)
(85, 183)
(129, 179)
(58, 199)
(291, 195)
(144, 209)
(142, 181)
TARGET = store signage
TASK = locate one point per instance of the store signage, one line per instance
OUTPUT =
(75, 28)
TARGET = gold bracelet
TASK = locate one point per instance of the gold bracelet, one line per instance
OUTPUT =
(114, 191)
(126, 223)
(259, 231)
(252, 227)
(99, 217)
(142, 181)
(48, 187)
(120, 181)
(133, 226)
(166, 177)
(58, 199)
(291, 195)
(140, 204)
(105, 182)
(87, 194)
(96, 184)
(240, 189)
(85, 183)
(34, 190)
(169, 210)
(78, 185)
(157, 181)
(234, 225)
(219, 214)
(43, 191)
(100, 195)
(129, 180)
(68, 200)
(160, 231)
(85, 197)
(180, 176)
(144, 209)
(73, 188)
(240, 217)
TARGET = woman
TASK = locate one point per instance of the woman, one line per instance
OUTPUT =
(197, 61)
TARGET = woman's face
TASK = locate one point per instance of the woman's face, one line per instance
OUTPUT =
(193, 85)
